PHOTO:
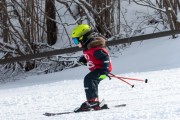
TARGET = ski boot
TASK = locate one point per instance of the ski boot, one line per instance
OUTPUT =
(91, 105)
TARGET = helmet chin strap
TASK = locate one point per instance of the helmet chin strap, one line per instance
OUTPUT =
(84, 45)
(86, 39)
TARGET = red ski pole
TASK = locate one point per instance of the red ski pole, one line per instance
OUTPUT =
(126, 78)
(146, 80)
(111, 75)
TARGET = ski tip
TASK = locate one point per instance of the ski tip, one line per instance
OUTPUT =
(121, 105)
(49, 114)
(146, 80)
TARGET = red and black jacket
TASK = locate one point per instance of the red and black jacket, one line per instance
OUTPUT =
(97, 58)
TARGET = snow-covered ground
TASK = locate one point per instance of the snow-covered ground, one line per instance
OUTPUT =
(158, 60)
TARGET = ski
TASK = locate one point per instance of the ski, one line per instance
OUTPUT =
(61, 113)
(71, 112)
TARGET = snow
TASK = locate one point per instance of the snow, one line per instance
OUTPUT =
(157, 60)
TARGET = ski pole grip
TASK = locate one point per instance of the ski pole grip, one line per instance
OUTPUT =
(146, 80)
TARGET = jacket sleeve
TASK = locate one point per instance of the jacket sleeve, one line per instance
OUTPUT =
(104, 57)
(82, 60)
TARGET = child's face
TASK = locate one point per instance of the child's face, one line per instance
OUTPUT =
(79, 45)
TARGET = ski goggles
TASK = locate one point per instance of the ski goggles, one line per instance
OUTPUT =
(75, 40)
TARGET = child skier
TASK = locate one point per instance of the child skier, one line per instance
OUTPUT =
(96, 57)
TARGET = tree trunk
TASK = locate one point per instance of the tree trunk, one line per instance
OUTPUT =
(104, 20)
(5, 27)
(50, 23)
(169, 15)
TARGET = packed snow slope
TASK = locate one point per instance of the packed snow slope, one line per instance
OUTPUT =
(158, 60)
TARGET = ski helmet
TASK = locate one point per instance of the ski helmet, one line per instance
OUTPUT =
(81, 33)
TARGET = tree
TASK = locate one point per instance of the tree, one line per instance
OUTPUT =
(4, 14)
(171, 10)
(50, 22)
(104, 18)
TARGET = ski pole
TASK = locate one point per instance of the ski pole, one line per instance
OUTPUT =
(146, 80)
(112, 75)
(127, 78)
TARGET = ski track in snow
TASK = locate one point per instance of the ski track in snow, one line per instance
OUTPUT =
(156, 100)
